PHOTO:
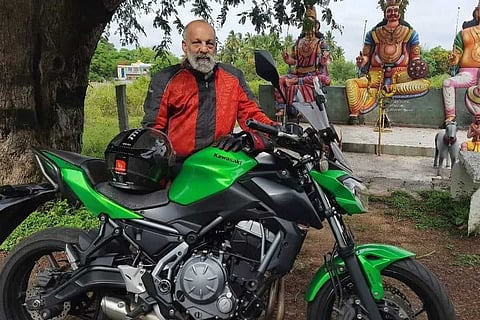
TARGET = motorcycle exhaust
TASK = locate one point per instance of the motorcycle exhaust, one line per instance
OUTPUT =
(116, 309)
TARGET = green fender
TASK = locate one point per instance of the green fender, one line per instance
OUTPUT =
(373, 259)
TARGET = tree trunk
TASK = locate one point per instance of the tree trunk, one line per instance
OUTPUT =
(45, 51)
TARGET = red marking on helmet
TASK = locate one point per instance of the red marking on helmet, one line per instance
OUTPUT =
(120, 166)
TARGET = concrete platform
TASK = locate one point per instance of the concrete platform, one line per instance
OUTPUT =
(404, 141)
(405, 160)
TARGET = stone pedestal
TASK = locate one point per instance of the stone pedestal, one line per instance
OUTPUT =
(466, 182)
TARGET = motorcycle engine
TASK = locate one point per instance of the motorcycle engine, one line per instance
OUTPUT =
(202, 289)
(210, 285)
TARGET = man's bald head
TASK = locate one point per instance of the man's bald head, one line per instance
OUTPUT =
(199, 45)
(197, 24)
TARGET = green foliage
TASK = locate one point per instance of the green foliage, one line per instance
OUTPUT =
(341, 70)
(437, 81)
(100, 100)
(106, 58)
(437, 60)
(467, 260)
(52, 214)
(103, 65)
(428, 209)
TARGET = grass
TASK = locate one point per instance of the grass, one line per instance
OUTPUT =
(467, 260)
(99, 131)
(51, 214)
(429, 209)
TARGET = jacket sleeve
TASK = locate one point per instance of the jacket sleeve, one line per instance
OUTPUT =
(155, 105)
(248, 107)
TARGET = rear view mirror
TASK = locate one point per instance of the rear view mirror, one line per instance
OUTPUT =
(265, 67)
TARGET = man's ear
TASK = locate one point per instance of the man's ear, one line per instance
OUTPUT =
(184, 46)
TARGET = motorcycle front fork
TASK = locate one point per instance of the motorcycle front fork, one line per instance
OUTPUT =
(346, 250)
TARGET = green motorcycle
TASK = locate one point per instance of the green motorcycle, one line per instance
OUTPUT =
(216, 244)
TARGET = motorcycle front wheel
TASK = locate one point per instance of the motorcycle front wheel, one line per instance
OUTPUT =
(411, 292)
(36, 257)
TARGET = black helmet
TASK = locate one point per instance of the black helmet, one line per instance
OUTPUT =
(140, 160)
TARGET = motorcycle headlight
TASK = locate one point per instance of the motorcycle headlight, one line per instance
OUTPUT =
(359, 190)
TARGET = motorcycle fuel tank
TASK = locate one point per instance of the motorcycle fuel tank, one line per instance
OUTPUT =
(208, 172)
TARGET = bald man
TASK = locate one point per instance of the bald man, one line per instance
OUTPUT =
(198, 101)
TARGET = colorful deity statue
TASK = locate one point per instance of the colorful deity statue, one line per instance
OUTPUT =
(308, 59)
(473, 133)
(390, 62)
(465, 60)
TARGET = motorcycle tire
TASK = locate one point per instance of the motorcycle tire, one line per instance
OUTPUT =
(411, 292)
(32, 255)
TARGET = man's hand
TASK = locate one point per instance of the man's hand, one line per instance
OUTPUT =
(250, 142)
(230, 142)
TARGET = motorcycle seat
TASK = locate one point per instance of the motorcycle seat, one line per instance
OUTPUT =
(134, 201)
(95, 169)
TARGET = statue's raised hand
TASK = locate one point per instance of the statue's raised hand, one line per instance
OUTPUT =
(287, 58)
(361, 60)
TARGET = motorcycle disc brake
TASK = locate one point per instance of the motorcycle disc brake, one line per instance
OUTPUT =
(396, 305)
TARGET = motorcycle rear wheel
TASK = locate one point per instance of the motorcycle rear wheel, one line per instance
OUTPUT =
(40, 251)
(411, 292)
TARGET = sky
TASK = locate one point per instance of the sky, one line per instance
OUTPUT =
(434, 20)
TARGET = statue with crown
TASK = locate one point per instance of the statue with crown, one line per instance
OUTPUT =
(308, 60)
(465, 66)
(389, 63)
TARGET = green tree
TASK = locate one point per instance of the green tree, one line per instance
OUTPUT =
(50, 47)
(104, 62)
(437, 60)
(336, 52)
(341, 70)
(230, 50)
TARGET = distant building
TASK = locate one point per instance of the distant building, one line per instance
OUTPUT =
(132, 71)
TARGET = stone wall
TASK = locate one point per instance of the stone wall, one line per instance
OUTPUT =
(424, 112)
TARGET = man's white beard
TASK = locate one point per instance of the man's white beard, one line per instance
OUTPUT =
(203, 63)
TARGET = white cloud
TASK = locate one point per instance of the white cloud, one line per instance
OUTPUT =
(435, 22)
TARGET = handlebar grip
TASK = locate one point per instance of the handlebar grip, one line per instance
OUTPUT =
(253, 124)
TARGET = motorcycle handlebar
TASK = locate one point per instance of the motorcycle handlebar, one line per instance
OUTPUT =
(271, 130)
(253, 124)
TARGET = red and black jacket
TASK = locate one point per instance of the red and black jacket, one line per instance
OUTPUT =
(195, 109)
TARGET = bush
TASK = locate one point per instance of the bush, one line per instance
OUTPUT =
(437, 81)
(52, 214)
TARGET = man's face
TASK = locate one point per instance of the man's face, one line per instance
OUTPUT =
(392, 13)
(477, 119)
(200, 46)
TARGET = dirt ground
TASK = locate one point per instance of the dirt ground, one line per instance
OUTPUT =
(438, 250)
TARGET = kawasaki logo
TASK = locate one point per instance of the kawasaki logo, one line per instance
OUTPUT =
(219, 156)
